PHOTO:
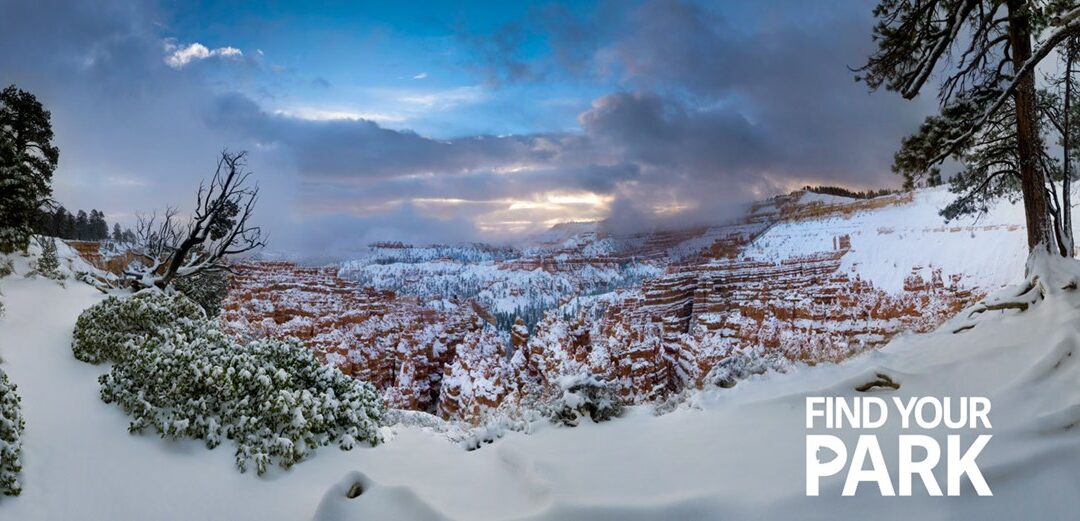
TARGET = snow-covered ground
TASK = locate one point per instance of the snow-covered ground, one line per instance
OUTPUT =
(887, 242)
(728, 454)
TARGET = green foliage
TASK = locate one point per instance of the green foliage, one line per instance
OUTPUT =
(187, 378)
(224, 220)
(103, 330)
(56, 221)
(208, 288)
(48, 263)
(11, 428)
(27, 162)
(919, 154)
(584, 396)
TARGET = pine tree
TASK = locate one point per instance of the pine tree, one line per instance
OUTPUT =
(82, 226)
(48, 263)
(11, 430)
(60, 223)
(27, 162)
(207, 288)
(69, 229)
(98, 229)
(985, 49)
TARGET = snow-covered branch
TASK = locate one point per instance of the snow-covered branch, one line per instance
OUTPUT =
(1065, 27)
(219, 227)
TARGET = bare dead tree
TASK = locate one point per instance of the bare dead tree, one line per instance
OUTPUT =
(155, 240)
(219, 227)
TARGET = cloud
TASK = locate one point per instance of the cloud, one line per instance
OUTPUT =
(320, 114)
(741, 88)
(684, 112)
(179, 56)
(440, 99)
(420, 76)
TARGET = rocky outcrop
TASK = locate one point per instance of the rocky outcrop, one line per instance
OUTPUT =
(395, 343)
(693, 316)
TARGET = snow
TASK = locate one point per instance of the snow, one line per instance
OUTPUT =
(886, 243)
(726, 454)
(816, 198)
(497, 288)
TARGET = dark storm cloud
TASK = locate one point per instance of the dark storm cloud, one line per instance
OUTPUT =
(699, 110)
(345, 149)
(739, 86)
(646, 129)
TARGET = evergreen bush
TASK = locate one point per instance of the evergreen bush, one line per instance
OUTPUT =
(11, 428)
(207, 288)
(182, 376)
(103, 330)
(584, 395)
(741, 364)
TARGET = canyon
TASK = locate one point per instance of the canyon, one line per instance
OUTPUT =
(468, 332)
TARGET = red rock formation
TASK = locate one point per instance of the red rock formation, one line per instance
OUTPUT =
(396, 344)
(649, 342)
(805, 307)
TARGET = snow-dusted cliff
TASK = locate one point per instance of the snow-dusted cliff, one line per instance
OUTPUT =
(804, 278)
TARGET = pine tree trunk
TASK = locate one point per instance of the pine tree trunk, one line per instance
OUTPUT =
(1066, 142)
(1032, 181)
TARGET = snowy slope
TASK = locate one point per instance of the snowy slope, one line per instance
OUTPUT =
(734, 454)
(887, 242)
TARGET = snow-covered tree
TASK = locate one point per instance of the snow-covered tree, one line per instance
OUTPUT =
(988, 51)
(48, 263)
(581, 396)
(27, 161)
(11, 429)
(1062, 113)
(219, 228)
(991, 168)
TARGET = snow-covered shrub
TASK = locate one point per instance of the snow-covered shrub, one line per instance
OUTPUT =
(504, 420)
(7, 267)
(207, 288)
(584, 395)
(273, 398)
(486, 433)
(743, 363)
(103, 330)
(671, 402)
(11, 428)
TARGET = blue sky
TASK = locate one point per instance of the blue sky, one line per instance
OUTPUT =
(447, 121)
(417, 66)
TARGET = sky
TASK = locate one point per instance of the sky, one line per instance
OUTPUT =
(455, 121)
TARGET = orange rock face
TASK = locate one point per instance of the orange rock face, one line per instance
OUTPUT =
(394, 343)
(712, 305)
(806, 309)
